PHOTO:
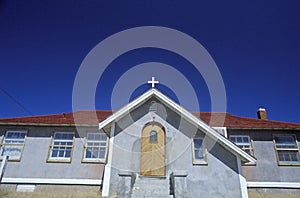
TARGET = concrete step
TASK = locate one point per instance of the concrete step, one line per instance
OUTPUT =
(158, 186)
(170, 196)
(147, 180)
(153, 192)
(151, 187)
(156, 191)
(145, 184)
(139, 195)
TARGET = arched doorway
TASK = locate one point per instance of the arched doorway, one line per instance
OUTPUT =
(153, 150)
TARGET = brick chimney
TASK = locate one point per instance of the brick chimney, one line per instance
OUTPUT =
(262, 114)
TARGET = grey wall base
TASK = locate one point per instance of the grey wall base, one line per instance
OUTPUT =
(126, 182)
(179, 184)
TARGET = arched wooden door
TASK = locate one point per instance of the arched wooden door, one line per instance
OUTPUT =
(153, 150)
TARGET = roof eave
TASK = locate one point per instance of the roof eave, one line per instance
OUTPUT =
(261, 128)
(44, 124)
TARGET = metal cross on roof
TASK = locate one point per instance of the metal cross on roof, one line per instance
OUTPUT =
(153, 82)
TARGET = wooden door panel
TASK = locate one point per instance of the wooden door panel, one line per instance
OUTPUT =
(153, 153)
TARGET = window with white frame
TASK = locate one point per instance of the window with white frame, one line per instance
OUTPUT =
(61, 146)
(13, 144)
(244, 142)
(287, 149)
(95, 148)
(199, 151)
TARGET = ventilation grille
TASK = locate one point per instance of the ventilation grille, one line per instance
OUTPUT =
(153, 107)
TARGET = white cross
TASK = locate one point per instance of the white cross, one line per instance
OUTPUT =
(153, 82)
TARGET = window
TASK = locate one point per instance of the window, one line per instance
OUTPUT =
(61, 146)
(199, 151)
(153, 136)
(287, 149)
(95, 148)
(13, 144)
(244, 142)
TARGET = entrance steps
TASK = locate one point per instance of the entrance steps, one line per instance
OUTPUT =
(151, 188)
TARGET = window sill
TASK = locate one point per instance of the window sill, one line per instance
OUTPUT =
(11, 160)
(281, 164)
(200, 163)
(249, 164)
(59, 161)
(101, 161)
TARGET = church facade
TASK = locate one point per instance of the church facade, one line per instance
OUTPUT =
(152, 147)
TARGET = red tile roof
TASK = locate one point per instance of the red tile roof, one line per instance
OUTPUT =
(94, 117)
(232, 121)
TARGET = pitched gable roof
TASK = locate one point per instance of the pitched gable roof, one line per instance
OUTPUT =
(189, 116)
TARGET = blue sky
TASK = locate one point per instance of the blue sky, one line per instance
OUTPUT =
(255, 45)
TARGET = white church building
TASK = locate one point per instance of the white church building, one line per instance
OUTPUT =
(152, 147)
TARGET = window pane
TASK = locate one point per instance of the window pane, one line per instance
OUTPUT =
(199, 154)
(15, 135)
(285, 139)
(90, 143)
(103, 137)
(285, 142)
(70, 136)
(68, 152)
(102, 152)
(153, 136)
(11, 151)
(289, 156)
(198, 142)
(96, 137)
(103, 144)
(199, 150)
(246, 139)
(58, 136)
(88, 153)
(239, 139)
(13, 141)
(95, 154)
(245, 146)
(65, 136)
(54, 152)
(60, 153)
(90, 136)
